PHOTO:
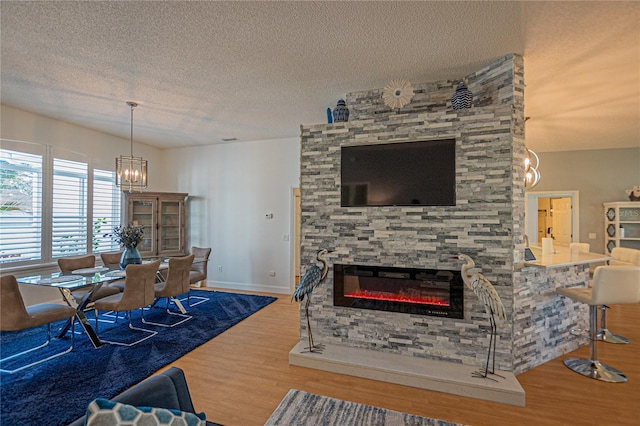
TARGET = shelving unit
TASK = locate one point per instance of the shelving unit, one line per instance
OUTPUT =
(163, 216)
(622, 225)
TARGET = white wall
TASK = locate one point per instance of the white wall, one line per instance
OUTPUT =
(231, 188)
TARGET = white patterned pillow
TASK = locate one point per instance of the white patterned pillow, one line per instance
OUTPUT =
(102, 412)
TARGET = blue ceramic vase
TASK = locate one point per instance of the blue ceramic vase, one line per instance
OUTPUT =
(462, 98)
(130, 256)
(341, 112)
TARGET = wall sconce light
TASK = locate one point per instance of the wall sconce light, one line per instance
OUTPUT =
(131, 172)
(531, 173)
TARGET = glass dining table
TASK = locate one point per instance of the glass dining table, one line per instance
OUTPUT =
(90, 279)
(66, 284)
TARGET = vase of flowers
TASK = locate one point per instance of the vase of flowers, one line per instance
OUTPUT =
(128, 236)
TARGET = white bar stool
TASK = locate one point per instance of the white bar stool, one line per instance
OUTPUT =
(612, 285)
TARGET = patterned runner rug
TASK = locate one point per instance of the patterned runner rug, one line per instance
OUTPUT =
(302, 408)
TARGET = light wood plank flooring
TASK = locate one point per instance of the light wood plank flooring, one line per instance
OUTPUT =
(239, 378)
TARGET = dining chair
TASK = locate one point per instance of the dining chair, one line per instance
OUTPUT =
(15, 316)
(139, 292)
(198, 273)
(177, 283)
(69, 264)
(112, 261)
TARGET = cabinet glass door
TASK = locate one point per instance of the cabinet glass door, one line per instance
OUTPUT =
(170, 226)
(143, 213)
(629, 227)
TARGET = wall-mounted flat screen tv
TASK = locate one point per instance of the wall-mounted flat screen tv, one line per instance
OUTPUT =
(420, 173)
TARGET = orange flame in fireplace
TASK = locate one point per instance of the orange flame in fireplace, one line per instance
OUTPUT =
(394, 297)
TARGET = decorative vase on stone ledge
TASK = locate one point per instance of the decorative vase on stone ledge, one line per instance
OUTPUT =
(341, 112)
(462, 98)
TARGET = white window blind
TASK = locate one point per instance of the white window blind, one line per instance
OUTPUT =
(106, 210)
(20, 206)
(69, 209)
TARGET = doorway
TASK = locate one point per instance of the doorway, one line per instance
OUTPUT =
(552, 215)
(295, 241)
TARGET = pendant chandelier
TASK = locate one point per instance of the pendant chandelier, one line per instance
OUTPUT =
(131, 172)
(531, 173)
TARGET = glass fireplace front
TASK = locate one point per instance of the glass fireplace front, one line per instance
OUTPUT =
(435, 292)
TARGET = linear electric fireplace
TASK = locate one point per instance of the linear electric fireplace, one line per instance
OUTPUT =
(436, 292)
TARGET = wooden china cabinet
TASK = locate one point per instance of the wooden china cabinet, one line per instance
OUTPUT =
(164, 219)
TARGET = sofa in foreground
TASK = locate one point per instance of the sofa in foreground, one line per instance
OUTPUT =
(167, 390)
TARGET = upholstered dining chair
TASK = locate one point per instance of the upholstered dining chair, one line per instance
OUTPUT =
(198, 272)
(177, 283)
(14, 316)
(69, 264)
(112, 261)
(139, 292)
(611, 285)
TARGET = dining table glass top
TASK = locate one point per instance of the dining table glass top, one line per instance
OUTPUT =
(69, 281)
(74, 280)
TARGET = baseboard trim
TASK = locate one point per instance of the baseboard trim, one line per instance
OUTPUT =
(262, 288)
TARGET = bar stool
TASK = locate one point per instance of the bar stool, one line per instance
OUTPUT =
(579, 247)
(611, 285)
(621, 257)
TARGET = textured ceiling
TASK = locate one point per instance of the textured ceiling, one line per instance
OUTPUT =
(208, 71)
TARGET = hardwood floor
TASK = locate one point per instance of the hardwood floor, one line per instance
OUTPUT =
(239, 378)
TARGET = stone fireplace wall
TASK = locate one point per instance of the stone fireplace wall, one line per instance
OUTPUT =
(486, 223)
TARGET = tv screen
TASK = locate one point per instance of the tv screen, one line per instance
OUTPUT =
(421, 173)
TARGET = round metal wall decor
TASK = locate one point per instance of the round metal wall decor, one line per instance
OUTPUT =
(397, 94)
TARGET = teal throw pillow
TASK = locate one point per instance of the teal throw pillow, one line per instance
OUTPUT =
(102, 412)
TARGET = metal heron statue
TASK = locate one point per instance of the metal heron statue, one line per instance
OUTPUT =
(311, 279)
(488, 295)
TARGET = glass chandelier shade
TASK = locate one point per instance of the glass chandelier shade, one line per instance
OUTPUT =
(131, 172)
(531, 173)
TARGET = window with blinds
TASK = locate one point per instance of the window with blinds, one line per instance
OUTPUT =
(106, 210)
(80, 207)
(20, 206)
(69, 208)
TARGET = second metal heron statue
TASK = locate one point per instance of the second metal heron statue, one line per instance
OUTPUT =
(311, 279)
(488, 295)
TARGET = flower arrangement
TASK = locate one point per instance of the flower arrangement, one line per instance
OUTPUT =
(128, 235)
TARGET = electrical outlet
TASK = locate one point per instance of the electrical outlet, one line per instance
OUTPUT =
(285, 237)
(592, 235)
(219, 268)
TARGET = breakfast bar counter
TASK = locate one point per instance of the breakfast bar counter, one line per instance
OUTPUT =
(542, 318)
(564, 257)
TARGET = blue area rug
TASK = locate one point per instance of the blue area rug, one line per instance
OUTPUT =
(57, 392)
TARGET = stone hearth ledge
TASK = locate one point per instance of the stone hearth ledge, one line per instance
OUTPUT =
(423, 373)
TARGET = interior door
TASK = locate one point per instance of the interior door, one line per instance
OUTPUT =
(561, 220)
(542, 224)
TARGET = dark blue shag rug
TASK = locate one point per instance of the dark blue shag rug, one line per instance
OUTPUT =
(57, 392)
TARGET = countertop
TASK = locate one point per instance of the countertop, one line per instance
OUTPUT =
(563, 257)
